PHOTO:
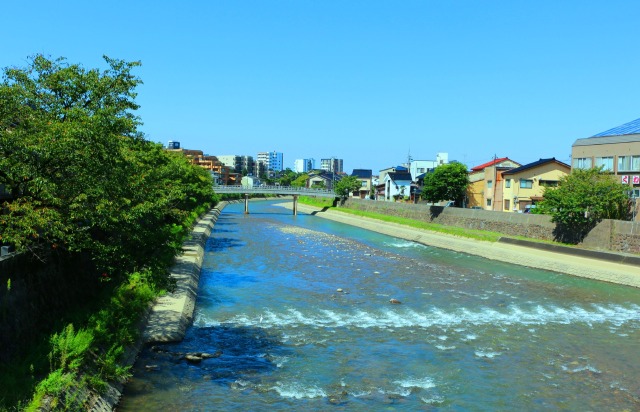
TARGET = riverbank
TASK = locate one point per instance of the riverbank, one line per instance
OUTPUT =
(598, 269)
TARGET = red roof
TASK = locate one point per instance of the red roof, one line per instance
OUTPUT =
(491, 163)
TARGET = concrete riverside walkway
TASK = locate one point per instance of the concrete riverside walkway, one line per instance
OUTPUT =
(572, 264)
(172, 313)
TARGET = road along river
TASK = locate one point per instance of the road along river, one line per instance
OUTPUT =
(295, 314)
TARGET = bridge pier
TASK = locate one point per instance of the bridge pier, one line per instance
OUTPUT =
(295, 205)
(246, 203)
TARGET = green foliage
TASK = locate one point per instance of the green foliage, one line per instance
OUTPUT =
(581, 200)
(82, 178)
(345, 186)
(69, 348)
(301, 180)
(447, 182)
(84, 182)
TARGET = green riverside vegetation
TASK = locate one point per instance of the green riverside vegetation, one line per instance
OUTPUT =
(98, 212)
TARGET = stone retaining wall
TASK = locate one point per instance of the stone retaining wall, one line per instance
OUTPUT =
(612, 235)
(168, 319)
(512, 224)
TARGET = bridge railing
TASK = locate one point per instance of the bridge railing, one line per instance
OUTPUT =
(272, 189)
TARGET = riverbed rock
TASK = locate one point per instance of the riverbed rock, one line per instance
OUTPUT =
(394, 301)
(192, 358)
(339, 290)
(216, 354)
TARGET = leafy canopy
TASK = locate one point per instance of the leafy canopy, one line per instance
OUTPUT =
(345, 186)
(446, 182)
(582, 199)
(81, 178)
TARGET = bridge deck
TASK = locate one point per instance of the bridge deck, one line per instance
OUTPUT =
(274, 190)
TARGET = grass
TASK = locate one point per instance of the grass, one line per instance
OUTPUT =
(417, 224)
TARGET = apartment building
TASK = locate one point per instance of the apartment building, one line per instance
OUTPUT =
(617, 150)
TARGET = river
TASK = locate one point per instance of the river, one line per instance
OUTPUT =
(296, 313)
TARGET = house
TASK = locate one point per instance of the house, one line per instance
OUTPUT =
(617, 150)
(322, 179)
(482, 180)
(364, 177)
(525, 185)
(392, 169)
(397, 185)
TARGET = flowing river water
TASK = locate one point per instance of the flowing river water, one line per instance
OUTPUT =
(296, 312)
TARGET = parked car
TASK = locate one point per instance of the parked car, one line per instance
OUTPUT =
(527, 208)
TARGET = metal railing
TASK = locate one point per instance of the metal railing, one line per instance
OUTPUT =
(279, 190)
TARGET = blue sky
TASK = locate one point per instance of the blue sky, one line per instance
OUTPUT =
(366, 81)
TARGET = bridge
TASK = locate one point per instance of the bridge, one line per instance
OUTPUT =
(273, 190)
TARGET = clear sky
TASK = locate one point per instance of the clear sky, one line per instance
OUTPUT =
(368, 81)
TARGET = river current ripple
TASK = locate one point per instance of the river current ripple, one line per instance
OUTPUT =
(297, 313)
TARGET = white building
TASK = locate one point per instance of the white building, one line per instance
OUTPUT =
(272, 160)
(331, 165)
(418, 167)
(304, 165)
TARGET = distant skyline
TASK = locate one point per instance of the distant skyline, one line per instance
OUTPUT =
(366, 81)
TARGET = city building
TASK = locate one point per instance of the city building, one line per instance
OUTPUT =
(420, 167)
(482, 179)
(617, 150)
(304, 165)
(524, 186)
(239, 164)
(271, 160)
(331, 165)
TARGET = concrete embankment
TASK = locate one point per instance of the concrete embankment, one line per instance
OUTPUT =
(169, 317)
(608, 270)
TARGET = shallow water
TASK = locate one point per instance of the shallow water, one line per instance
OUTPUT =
(470, 334)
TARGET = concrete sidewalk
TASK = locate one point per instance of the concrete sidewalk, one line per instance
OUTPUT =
(572, 264)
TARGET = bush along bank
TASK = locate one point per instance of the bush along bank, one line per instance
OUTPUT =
(97, 211)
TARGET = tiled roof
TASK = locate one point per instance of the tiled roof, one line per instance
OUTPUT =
(491, 163)
(362, 173)
(534, 164)
(398, 176)
(633, 127)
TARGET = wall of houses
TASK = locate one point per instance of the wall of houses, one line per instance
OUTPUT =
(611, 235)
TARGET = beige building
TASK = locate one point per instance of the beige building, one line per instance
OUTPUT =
(525, 185)
(482, 180)
(617, 150)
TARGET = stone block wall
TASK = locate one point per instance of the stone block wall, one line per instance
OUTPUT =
(511, 224)
(612, 235)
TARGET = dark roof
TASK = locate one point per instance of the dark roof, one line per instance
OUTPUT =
(362, 173)
(534, 164)
(633, 127)
(400, 176)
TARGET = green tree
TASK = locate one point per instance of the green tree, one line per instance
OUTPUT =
(581, 200)
(82, 178)
(446, 182)
(345, 186)
(300, 181)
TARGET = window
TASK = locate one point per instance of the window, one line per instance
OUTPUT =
(628, 163)
(582, 163)
(489, 184)
(364, 183)
(526, 184)
(549, 183)
(507, 203)
(507, 183)
(605, 162)
(420, 170)
(488, 202)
